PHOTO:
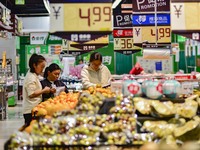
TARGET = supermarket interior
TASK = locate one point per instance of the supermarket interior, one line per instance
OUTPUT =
(100, 74)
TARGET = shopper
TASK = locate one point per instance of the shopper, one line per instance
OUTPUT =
(32, 88)
(137, 69)
(95, 73)
(51, 76)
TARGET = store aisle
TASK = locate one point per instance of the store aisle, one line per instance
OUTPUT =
(13, 122)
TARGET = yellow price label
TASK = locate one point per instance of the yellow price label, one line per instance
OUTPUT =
(81, 17)
(124, 44)
(159, 34)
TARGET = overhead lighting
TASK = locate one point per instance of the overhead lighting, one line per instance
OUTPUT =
(47, 5)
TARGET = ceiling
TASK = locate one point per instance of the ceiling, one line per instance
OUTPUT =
(32, 8)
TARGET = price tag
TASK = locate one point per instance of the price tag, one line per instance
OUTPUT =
(81, 17)
(124, 44)
(143, 34)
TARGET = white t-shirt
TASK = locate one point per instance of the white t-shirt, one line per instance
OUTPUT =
(91, 77)
(31, 84)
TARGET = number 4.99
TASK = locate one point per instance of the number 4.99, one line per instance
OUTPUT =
(100, 14)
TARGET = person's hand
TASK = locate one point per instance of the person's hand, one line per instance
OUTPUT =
(46, 89)
(53, 90)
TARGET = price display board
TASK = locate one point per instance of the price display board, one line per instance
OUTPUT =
(81, 17)
(148, 34)
(151, 21)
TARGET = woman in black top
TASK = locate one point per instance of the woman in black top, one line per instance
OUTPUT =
(51, 75)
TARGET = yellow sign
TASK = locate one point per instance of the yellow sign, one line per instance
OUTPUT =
(159, 34)
(124, 44)
(81, 17)
(185, 16)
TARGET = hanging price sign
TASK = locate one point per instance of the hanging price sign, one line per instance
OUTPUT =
(148, 34)
(81, 17)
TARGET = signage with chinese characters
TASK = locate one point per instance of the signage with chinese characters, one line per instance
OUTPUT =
(122, 20)
(123, 33)
(87, 47)
(43, 49)
(149, 19)
(148, 34)
(38, 38)
(81, 17)
(91, 45)
(149, 5)
(81, 37)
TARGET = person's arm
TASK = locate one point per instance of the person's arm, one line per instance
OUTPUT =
(32, 88)
(132, 71)
(85, 78)
(142, 71)
(39, 92)
(106, 76)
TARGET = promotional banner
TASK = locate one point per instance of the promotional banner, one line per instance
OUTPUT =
(80, 17)
(123, 33)
(122, 20)
(149, 5)
(151, 22)
(149, 19)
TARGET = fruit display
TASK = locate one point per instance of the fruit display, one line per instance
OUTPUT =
(106, 92)
(159, 109)
(64, 101)
(180, 129)
(89, 104)
(72, 119)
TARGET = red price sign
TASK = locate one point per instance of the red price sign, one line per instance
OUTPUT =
(161, 34)
(88, 17)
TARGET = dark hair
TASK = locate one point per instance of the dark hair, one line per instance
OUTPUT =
(95, 56)
(51, 68)
(35, 59)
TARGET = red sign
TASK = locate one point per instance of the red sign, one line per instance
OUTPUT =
(184, 77)
(123, 33)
